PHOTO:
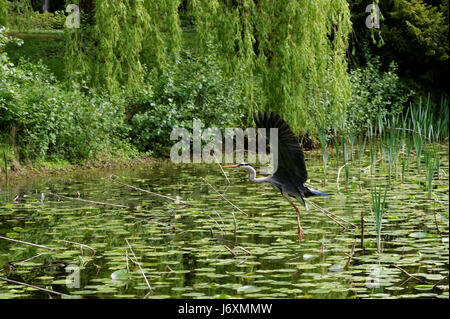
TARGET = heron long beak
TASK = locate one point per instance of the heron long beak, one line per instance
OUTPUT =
(230, 166)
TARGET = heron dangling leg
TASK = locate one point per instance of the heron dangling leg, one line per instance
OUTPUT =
(300, 229)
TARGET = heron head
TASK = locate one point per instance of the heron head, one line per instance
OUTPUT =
(237, 165)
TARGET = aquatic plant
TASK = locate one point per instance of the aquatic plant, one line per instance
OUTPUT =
(432, 167)
(378, 209)
(5, 163)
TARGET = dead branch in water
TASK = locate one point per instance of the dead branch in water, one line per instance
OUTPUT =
(114, 178)
(90, 201)
(139, 265)
(32, 286)
(225, 174)
(223, 197)
(350, 256)
(26, 243)
(81, 245)
(331, 215)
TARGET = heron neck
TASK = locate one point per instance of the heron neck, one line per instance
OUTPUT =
(252, 175)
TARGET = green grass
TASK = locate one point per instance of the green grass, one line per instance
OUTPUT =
(48, 46)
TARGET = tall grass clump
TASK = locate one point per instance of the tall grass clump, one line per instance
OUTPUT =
(5, 167)
(432, 167)
(378, 210)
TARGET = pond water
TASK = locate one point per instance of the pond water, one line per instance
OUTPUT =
(210, 249)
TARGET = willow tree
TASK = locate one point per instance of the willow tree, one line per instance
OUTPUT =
(290, 54)
(4, 12)
(115, 39)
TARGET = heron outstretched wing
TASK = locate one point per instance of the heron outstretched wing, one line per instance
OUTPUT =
(291, 161)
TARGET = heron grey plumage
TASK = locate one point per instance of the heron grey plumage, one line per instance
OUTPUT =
(290, 174)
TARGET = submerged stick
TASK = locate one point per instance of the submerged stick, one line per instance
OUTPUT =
(32, 286)
(223, 197)
(139, 265)
(225, 174)
(26, 243)
(81, 245)
(24, 260)
(331, 215)
(243, 249)
(90, 201)
(339, 173)
(230, 250)
(350, 256)
(406, 273)
(144, 190)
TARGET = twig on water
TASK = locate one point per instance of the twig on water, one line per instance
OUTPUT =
(230, 250)
(364, 170)
(90, 201)
(139, 265)
(243, 249)
(32, 286)
(23, 260)
(216, 223)
(331, 215)
(339, 173)
(436, 284)
(114, 177)
(223, 197)
(81, 245)
(225, 174)
(113, 205)
(406, 273)
(350, 256)
(26, 243)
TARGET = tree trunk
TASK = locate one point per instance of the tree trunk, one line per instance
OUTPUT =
(46, 6)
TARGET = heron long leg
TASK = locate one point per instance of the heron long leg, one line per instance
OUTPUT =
(300, 230)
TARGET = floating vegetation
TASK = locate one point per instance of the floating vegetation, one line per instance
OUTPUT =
(102, 238)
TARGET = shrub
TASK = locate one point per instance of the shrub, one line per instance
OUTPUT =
(49, 120)
(48, 20)
(191, 88)
(374, 93)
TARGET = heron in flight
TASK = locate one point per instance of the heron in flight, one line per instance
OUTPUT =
(290, 175)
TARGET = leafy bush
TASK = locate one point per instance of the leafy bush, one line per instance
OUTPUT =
(191, 88)
(48, 120)
(374, 93)
(48, 20)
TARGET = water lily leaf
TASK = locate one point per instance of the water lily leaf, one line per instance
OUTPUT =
(423, 287)
(120, 275)
(248, 289)
(418, 235)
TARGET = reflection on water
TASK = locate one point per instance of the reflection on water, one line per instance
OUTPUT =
(201, 251)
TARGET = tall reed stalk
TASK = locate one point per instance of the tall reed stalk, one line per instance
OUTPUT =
(432, 166)
(378, 209)
(5, 163)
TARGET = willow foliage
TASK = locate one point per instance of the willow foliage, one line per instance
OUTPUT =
(118, 37)
(295, 47)
(288, 56)
(4, 12)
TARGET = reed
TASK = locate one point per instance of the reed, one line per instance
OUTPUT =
(378, 210)
(5, 166)
(432, 166)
